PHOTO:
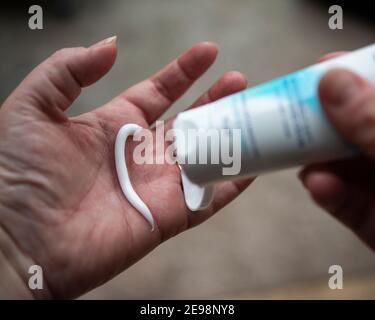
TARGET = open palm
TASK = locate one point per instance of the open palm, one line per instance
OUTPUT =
(60, 201)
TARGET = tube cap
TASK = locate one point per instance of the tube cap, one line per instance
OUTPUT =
(196, 197)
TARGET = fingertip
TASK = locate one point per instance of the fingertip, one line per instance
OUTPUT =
(197, 59)
(328, 80)
(208, 46)
(317, 182)
(108, 51)
(338, 87)
(235, 79)
(349, 103)
(324, 187)
(102, 59)
(229, 83)
(204, 51)
(331, 55)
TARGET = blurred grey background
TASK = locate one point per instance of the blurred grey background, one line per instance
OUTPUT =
(272, 242)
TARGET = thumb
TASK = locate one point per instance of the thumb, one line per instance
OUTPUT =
(53, 85)
(349, 102)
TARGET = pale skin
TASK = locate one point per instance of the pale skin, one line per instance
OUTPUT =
(60, 201)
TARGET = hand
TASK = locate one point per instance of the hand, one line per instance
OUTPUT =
(60, 201)
(346, 188)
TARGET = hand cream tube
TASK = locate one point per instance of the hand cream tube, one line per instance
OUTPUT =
(280, 123)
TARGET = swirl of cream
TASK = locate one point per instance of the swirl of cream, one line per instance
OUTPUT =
(196, 197)
(123, 175)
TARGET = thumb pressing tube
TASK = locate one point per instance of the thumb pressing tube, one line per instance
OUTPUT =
(275, 125)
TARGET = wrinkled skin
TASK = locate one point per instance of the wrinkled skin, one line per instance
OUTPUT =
(60, 200)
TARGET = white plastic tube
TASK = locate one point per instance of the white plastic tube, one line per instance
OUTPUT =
(281, 124)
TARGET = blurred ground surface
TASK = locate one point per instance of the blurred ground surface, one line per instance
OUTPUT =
(272, 241)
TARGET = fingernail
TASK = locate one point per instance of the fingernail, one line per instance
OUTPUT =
(105, 42)
(340, 87)
(110, 39)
